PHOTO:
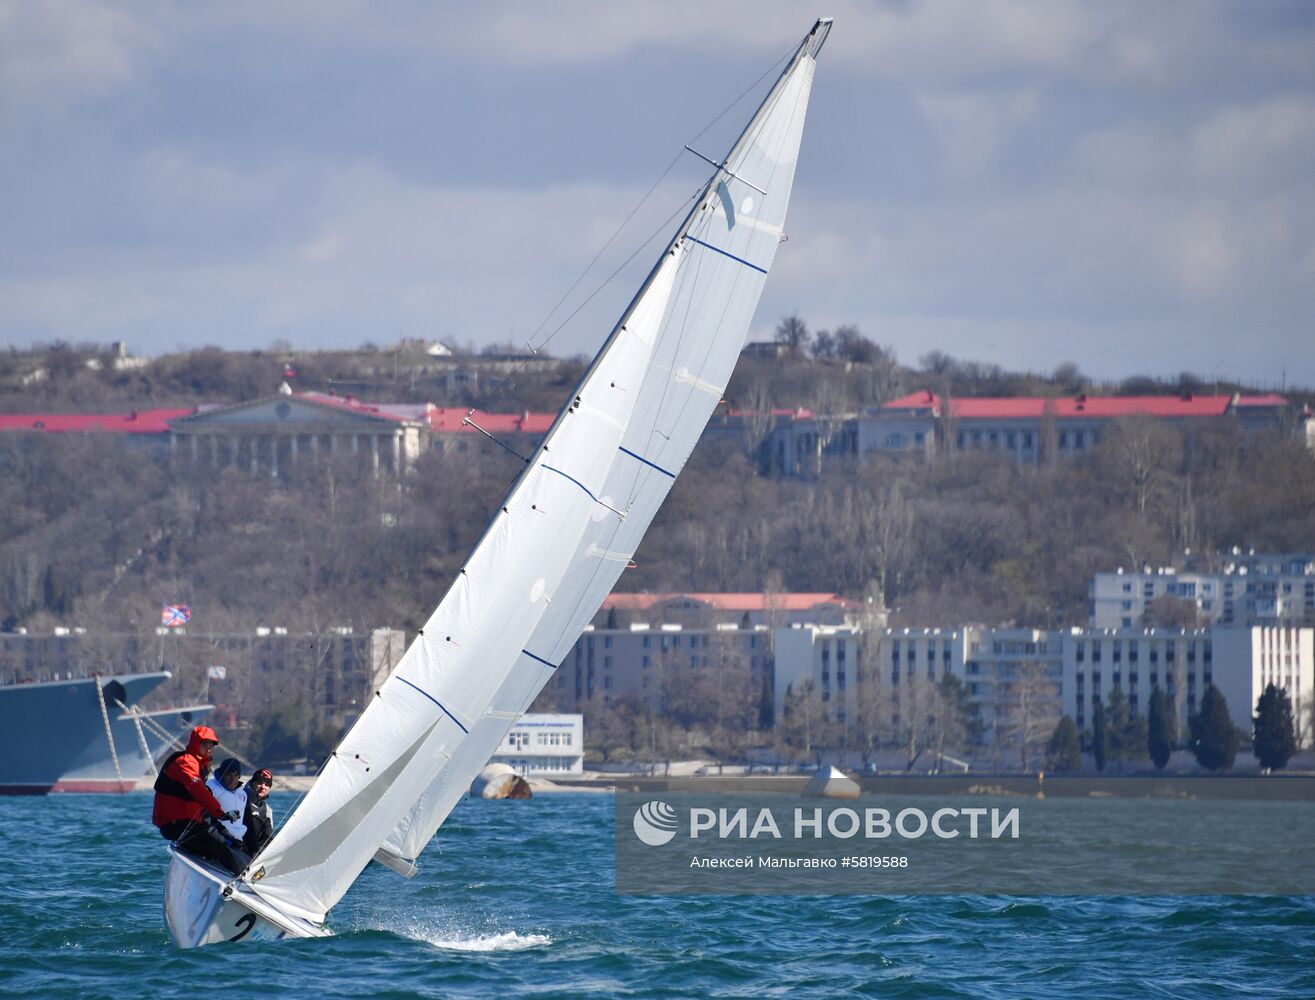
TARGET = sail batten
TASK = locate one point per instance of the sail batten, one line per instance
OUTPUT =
(566, 530)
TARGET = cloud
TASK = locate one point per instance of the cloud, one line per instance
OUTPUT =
(332, 172)
(973, 126)
(63, 47)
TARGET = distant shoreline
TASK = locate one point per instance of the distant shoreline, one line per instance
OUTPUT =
(1271, 787)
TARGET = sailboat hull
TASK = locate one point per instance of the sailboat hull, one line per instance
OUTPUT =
(198, 912)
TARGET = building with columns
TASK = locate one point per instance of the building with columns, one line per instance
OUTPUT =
(273, 435)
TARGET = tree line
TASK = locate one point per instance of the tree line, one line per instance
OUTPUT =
(1118, 735)
(100, 532)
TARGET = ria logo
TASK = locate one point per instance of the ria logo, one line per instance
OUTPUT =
(655, 823)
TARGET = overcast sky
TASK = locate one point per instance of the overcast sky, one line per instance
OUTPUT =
(1130, 187)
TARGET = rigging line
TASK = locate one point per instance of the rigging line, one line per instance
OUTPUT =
(745, 143)
(505, 385)
(648, 194)
(620, 267)
(747, 90)
(603, 249)
(497, 441)
(749, 140)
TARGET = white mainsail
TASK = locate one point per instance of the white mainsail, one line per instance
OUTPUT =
(565, 532)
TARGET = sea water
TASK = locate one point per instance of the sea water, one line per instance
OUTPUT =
(518, 899)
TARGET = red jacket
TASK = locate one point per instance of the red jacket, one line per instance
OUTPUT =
(180, 791)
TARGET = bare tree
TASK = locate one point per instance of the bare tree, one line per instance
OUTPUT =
(1140, 456)
(1031, 707)
(793, 332)
(756, 415)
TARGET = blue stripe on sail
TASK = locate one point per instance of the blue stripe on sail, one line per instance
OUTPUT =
(436, 702)
(574, 480)
(652, 465)
(760, 270)
(539, 659)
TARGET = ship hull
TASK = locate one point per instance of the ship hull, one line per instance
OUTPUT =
(47, 728)
(94, 770)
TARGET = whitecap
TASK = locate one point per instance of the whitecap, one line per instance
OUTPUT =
(508, 941)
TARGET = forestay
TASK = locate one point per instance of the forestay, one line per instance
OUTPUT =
(567, 529)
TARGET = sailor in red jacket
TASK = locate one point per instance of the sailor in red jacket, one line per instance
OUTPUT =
(184, 807)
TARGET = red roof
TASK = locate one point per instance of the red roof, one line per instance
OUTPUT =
(1076, 407)
(915, 401)
(451, 420)
(385, 411)
(798, 413)
(442, 419)
(724, 602)
(134, 422)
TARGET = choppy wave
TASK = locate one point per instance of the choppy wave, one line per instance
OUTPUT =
(508, 941)
(499, 911)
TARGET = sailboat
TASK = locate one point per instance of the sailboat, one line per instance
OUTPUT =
(569, 525)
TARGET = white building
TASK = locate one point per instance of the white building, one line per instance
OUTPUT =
(1246, 590)
(544, 745)
(1082, 666)
(1240, 662)
(987, 661)
(636, 661)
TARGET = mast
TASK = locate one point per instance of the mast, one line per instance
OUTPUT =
(566, 529)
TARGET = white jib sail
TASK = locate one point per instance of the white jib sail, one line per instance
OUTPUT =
(565, 533)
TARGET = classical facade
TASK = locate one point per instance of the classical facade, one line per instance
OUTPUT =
(274, 435)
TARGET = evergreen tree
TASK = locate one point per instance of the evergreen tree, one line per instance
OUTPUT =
(1159, 736)
(1214, 737)
(1125, 731)
(1274, 737)
(1064, 751)
(966, 709)
(1100, 738)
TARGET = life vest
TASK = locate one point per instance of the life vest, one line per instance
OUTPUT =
(165, 785)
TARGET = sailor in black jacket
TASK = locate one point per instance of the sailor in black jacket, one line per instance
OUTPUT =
(259, 818)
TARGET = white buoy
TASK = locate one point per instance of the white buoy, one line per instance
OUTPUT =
(831, 783)
(499, 781)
